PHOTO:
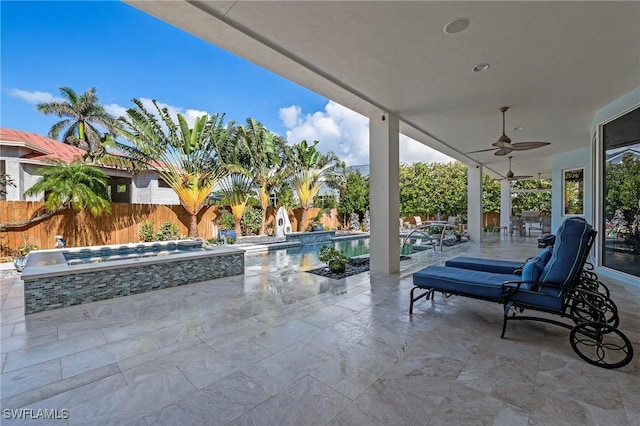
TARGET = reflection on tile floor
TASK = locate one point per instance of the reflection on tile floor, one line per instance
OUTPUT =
(279, 346)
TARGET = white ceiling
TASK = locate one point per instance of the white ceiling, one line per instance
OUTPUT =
(554, 63)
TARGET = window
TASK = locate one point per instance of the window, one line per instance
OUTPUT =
(163, 183)
(620, 203)
(121, 189)
(573, 192)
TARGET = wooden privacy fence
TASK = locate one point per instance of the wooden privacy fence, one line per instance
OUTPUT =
(81, 229)
(121, 226)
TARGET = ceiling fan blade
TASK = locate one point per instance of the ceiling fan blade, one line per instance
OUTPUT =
(482, 150)
(524, 146)
(503, 151)
(514, 178)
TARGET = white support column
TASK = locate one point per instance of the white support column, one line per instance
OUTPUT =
(505, 203)
(474, 201)
(384, 183)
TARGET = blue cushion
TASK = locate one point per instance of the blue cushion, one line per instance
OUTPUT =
(486, 265)
(568, 252)
(484, 285)
(532, 270)
(540, 299)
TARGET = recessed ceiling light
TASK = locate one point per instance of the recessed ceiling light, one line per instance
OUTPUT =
(518, 128)
(457, 25)
(480, 68)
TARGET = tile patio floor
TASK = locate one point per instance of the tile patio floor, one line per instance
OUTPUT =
(278, 346)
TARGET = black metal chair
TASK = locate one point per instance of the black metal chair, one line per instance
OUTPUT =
(559, 282)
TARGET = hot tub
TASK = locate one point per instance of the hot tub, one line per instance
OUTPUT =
(59, 278)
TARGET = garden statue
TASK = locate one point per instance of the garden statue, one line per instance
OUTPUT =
(366, 221)
(283, 225)
(354, 221)
(60, 242)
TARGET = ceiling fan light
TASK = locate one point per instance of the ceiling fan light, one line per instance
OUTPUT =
(480, 67)
(457, 25)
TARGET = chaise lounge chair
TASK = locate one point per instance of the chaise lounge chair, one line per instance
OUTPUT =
(553, 282)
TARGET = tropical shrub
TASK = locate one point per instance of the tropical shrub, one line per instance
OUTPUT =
(168, 231)
(226, 221)
(24, 249)
(251, 221)
(146, 232)
(334, 258)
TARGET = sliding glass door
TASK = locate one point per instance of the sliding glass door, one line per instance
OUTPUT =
(620, 203)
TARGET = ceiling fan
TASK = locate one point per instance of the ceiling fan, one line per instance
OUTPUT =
(503, 145)
(510, 176)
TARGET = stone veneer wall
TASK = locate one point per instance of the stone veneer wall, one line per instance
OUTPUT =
(311, 237)
(46, 293)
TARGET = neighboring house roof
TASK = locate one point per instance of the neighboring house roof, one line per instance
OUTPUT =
(42, 148)
(617, 157)
(362, 168)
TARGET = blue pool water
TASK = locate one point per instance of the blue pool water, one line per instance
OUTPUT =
(304, 257)
(129, 251)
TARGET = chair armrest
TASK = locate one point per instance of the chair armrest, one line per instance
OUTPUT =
(508, 287)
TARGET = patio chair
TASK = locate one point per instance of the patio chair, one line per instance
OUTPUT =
(550, 283)
(517, 227)
(535, 227)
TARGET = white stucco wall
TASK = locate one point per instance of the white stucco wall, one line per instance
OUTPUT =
(565, 161)
(145, 190)
(28, 178)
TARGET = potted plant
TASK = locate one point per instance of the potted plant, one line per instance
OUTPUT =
(315, 224)
(22, 252)
(334, 258)
(226, 224)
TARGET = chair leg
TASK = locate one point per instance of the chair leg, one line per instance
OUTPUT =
(504, 325)
(415, 299)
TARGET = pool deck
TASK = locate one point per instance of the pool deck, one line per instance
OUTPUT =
(279, 346)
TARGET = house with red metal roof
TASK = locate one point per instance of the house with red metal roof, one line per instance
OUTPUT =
(23, 153)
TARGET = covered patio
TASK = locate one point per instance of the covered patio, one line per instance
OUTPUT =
(286, 347)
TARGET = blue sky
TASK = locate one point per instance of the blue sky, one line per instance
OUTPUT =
(125, 54)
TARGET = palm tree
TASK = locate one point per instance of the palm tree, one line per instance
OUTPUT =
(81, 114)
(76, 186)
(310, 169)
(237, 187)
(186, 158)
(266, 151)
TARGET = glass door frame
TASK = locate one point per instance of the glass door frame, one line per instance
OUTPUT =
(598, 205)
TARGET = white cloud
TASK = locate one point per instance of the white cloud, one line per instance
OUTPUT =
(289, 115)
(338, 129)
(116, 110)
(346, 133)
(34, 97)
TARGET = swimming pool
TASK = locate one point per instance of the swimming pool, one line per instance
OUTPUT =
(303, 257)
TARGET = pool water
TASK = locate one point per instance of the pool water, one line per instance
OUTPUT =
(129, 251)
(304, 257)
